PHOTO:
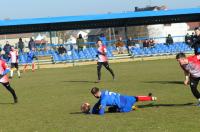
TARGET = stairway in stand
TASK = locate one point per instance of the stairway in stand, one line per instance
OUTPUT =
(121, 56)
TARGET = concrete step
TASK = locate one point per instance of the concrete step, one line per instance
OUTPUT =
(119, 55)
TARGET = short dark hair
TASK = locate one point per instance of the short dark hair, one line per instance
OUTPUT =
(99, 40)
(180, 55)
(94, 90)
(196, 28)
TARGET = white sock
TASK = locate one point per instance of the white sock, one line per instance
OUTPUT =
(18, 72)
(11, 73)
(199, 100)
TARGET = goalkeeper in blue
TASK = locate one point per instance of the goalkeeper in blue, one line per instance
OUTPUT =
(114, 101)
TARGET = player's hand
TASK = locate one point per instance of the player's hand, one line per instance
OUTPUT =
(186, 82)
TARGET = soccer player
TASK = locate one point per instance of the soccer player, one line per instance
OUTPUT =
(30, 57)
(102, 60)
(4, 70)
(115, 101)
(191, 67)
(14, 62)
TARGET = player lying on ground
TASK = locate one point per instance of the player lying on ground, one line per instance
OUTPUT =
(30, 57)
(191, 67)
(4, 70)
(114, 101)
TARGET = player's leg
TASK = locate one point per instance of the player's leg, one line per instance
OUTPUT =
(25, 67)
(193, 85)
(146, 98)
(33, 66)
(12, 70)
(106, 65)
(18, 71)
(113, 109)
(99, 65)
(11, 90)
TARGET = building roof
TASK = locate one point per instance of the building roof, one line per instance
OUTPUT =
(98, 21)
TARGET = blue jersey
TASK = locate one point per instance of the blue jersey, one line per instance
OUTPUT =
(124, 103)
(30, 56)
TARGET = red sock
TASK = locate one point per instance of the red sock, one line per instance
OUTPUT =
(33, 67)
(25, 67)
(144, 98)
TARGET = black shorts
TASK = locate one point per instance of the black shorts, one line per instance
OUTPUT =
(14, 65)
(103, 63)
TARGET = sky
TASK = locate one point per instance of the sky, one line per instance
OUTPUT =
(18, 9)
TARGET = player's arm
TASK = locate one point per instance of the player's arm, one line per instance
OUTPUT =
(187, 75)
(103, 51)
(102, 107)
(6, 69)
(198, 57)
(95, 109)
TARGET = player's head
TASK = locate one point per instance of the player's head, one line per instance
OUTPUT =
(96, 92)
(33, 49)
(85, 107)
(99, 42)
(12, 48)
(197, 31)
(181, 58)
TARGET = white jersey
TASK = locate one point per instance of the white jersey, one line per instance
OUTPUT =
(14, 56)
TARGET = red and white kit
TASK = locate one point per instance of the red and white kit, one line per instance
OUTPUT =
(193, 67)
(102, 58)
(3, 67)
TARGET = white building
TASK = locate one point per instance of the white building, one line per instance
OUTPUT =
(162, 30)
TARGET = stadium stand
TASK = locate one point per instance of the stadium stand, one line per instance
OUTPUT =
(89, 54)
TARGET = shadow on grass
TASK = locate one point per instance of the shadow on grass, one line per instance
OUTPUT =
(6, 103)
(75, 113)
(147, 106)
(78, 113)
(165, 105)
(165, 82)
(80, 81)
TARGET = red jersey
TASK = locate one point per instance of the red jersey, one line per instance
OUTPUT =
(3, 67)
(102, 58)
(193, 66)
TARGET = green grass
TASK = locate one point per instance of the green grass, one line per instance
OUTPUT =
(50, 99)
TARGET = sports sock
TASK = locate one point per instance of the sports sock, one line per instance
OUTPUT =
(18, 72)
(25, 68)
(33, 67)
(144, 98)
(11, 73)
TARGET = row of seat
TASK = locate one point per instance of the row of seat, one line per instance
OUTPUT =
(90, 53)
(161, 49)
(86, 54)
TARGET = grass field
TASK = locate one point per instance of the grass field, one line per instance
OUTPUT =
(50, 99)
